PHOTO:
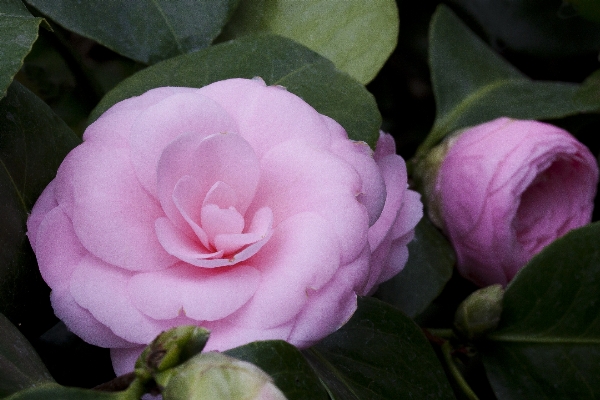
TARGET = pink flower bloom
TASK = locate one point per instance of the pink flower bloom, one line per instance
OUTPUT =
(237, 207)
(506, 189)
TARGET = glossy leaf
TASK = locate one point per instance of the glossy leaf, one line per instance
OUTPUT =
(547, 345)
(428, 269)
(33, 143)
(379, 354)
(358, 36)
(144, 30)
(289, 369)
(18, 31)
(20, 365)
(472, 84)
(277, 60)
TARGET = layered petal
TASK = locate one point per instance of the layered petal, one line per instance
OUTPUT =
(302, 254)
(163, 122)
(200, 294)
(268, 115)
(296, 178)
(113, 216)
(224, 157)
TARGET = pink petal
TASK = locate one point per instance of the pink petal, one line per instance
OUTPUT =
(222, 195)
(409, 215)
(216, 221)
(44, 204)
(184, 248)
(147, 99)
(102, 290)
(373, 188)
(187, 197)
(82, 323)
(202, 294)
(302, 254)
(298, 178)
(160, 124)
(326, 311)
(260, 231)
(58, 249)
(123, 360)
(394, 174)
(112, 215)
(218, 158)
(268, 115)
(386, 146)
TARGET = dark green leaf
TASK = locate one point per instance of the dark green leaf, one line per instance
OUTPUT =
(18, 31)
(472, 84)
(548, 343)
(20, 365)
(52, 391)
(358, 36)
(289, 369)
(379, 354)
(428, 269)
(33, 142)
(279, 61)
(541, 27)
(144, 30)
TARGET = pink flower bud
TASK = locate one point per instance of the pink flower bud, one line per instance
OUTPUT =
(507, 188)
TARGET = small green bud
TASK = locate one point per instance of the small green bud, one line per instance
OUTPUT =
(171, 348)
(479, 314)
(215, 376)
(426, 175)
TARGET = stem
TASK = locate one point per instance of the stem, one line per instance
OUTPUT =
(460, 380)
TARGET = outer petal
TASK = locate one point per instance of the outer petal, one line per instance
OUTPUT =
(373, 188)
(268, 115)
(44, 204)
(123, 359)
(394, 174)
(82, 323)
(102, 290)
(58, 249)
(112, 215)
(203, 295)
(302, 254)
(330, 307)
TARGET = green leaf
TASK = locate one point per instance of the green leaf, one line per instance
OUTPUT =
(428, 269)
(379, 354)
(472, 84)
(546, 28)
(18, 31)
(289, 369)
(56, 392)
(33, 142)
(20, 365)
(144, 30)
(358, 36)
(547, 345)
(279, 61)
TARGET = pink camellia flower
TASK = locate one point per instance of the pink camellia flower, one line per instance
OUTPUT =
(237, 207)
(506, 189)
